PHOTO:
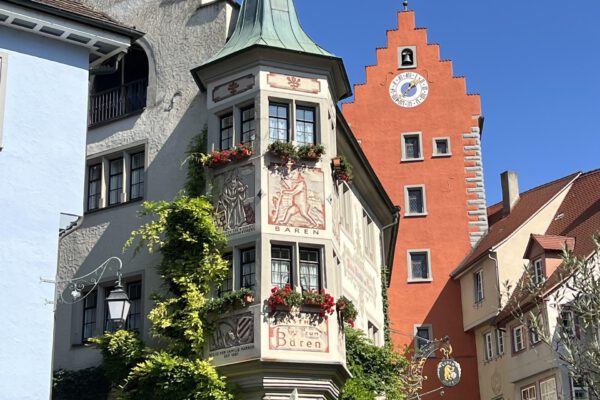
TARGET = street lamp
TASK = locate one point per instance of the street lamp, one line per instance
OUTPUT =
(118, 304)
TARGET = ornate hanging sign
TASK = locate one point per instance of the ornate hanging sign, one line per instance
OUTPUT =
(448, 369)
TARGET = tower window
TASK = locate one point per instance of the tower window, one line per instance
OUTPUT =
(305, 125)
(415, 201)
(412, 147)
(407, 57)
(441, 147)
(226, 132)
(248, 125)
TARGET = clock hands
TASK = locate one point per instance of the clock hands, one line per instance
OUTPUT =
(413, 83)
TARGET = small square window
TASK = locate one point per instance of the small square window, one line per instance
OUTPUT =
(419, 269)
(415, 201)
(412, 149)
(423, 337)
(528, 393)
(441, 147)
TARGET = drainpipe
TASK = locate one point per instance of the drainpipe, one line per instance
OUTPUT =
(497, 281)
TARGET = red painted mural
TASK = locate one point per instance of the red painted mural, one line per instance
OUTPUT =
(421, 132)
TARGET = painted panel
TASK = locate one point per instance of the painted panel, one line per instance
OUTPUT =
(302, 331)
(232, 88)
(295, 83)
(235, 208)
(233, 337)
(296, 198)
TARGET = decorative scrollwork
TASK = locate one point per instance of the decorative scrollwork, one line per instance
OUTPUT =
(75, 286)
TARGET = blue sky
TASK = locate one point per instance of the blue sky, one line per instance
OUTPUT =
(536, 64)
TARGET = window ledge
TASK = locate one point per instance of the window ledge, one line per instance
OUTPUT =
(404, 160)
(415, 215)
(420, 280)
(441, 155)
(97, 210)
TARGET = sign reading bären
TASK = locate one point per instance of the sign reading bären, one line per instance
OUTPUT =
(303, 331)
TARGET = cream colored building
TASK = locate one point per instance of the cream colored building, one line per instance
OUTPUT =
(526, 230)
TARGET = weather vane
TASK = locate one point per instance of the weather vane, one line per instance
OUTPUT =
(405, 5)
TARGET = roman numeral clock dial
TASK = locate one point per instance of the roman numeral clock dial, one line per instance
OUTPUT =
(409, 89)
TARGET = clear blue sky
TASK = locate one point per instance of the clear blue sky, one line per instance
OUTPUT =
(536, 64)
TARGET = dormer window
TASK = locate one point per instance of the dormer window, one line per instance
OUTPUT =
(539, 275)
(119, 90)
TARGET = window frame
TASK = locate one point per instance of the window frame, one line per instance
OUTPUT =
(252, 137)
(541, 277)
(478, 295)
(3, 79)
(90, 294)
(119, 188)
(572, 331)
(434, 152)
(547, 380)
(523, 337)
(142, 182)
(319, 265)
(242, 264)
(97, 183)
(229, 128)
(488, 346)
(575, 387)
(411, 278)
(229, 279)
(290, 261)
(314, 122)
(526, 389)
(500, 344)
(408, 213)
(288, 119)
(404, 156)
(416, 328)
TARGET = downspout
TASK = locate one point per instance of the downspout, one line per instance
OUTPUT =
(384, 275)
(497, 281)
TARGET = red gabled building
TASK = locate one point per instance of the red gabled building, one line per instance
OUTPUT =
(422, 133)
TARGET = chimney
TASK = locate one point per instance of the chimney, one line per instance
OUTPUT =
(510, 191)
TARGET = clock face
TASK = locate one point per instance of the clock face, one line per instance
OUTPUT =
(409, 89)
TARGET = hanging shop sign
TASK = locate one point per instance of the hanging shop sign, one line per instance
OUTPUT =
(449, 372)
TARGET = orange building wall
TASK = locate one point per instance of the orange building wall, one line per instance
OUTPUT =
(454, 191)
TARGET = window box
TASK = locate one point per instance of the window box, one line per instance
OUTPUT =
(225, 157)
(311, 152)
(284, 150)
(228, 302)
(342, 170)
(284, 299)
(323, 300)
(347, 310)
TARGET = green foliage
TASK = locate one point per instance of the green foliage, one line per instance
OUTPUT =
(311, 151)
(85, 384)
(284, 297)
(386, 305)
(347, 309)
(195, 184)
(165, 376)
(284, 150)
(376, 371)
(121, 350)
(228, 302)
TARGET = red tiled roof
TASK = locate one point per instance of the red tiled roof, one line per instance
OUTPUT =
(501, 226)
(553, 242)
(579, 214)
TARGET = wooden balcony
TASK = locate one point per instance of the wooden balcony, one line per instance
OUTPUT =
(117, 103)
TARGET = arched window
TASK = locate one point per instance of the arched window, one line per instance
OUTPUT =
(408, 58)
(119, 90)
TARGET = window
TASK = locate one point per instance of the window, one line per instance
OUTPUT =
(528, 393)
(423, 336)
(411, 147)
(548, 389)
(538, 272)
(518, 339)
(227, 285)
(568, 322)
(419, 266)
(279, 122)
(226, 132)
(373, 333)
(407, 57)
(415, 200)
(115, 181)
(248, 134)
(281, 266)
(488, 346)
(121, 93)
(134, 318)
(109, 182)
(310, 269)
(3, 63)
(368, 238)
(478, 286)
(305, 125)
(248, 268)
(136, 187)
(441, 147)
(579, 389)
(94, 186)
(89, 315)
(534, 329)
(499, 342)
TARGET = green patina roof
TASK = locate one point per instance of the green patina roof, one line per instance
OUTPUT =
(271, 23)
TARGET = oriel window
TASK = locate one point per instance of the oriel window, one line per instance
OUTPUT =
(310, 269)
(279, 122)
(248, 268)
(226, 136)
(137, 176)
(94, 186)
(248, 125)
(281, 266)
(305, 125)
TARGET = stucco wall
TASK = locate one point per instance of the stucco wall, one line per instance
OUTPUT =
(42, 173)
(179, 36)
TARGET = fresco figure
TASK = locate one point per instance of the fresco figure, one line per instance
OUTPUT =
(295, 192)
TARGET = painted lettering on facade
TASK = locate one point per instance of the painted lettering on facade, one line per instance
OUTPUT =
(296, 198)
(302, 331)
(295, 83)
(232, 88)
(235, 209)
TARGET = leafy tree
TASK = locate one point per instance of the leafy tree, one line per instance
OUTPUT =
(575, 287)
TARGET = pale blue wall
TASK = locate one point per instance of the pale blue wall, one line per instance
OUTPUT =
(41, 175)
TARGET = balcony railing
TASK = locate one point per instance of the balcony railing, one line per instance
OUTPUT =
(118, 102)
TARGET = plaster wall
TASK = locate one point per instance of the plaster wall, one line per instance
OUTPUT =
(477, 313)
(179, 36)
(41, 168)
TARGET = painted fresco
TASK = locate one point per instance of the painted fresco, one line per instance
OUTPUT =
(234, 331)
(303, 331)
(296, 197)
(235, 208)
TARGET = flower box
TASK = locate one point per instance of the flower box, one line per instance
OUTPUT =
(284, 298)
(311, 152)
(225, 157)
(284, 150)
(346, 310)
(342, 170)
(321, 299)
